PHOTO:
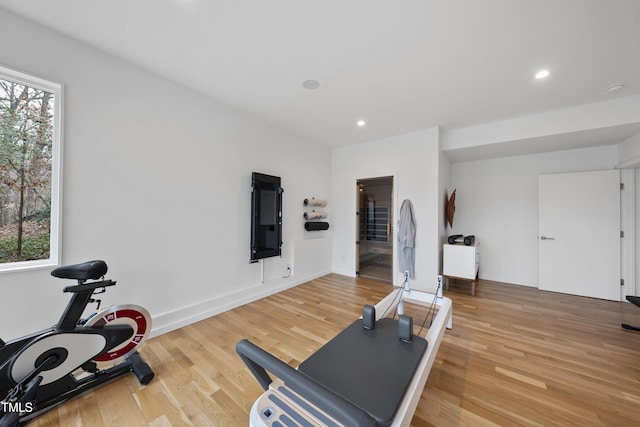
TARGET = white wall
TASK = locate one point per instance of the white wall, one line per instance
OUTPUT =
(622, 111)
(444, 167)
(629, 152)
(636, 226)
(497, 200)
(413, 159)
(157, 183)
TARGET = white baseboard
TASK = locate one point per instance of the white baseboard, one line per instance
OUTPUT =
(345, 272)
(177, 319)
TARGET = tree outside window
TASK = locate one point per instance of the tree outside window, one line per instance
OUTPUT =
(29, 130)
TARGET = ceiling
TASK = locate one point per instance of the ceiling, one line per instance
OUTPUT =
(399, 65)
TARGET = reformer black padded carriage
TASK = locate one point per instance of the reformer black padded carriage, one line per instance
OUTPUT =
(370, 368)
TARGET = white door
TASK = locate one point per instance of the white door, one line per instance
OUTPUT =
(579, 234)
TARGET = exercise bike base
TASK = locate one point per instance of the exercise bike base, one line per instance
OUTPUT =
(141, 369)
(133, 363)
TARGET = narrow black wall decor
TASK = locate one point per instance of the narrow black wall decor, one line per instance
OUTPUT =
(266, 216)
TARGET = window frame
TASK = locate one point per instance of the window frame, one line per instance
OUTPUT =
(55, 236)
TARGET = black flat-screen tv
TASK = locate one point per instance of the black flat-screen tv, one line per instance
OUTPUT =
(266, 216)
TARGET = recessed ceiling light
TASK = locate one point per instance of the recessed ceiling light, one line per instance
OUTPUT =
(311, 84)
(542, 74)
(615, 87)
(361, 123)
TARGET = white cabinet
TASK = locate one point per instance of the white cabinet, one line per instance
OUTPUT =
(461, 262)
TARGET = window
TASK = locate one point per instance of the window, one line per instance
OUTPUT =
(30, 133)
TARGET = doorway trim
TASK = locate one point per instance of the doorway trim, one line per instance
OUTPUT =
(628, 227)
(579, 225)
(393, 211)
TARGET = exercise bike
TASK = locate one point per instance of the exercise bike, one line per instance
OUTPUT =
(44, 369)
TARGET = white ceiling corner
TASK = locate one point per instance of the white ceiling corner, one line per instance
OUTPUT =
(401, 66)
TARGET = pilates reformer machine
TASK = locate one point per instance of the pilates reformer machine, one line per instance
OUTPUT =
(371, 374)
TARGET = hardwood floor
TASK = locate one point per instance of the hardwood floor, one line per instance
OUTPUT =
(515, 356)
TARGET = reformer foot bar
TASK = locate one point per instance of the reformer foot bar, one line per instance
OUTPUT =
(362, 377)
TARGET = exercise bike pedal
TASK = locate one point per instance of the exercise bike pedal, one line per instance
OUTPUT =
(90, 366)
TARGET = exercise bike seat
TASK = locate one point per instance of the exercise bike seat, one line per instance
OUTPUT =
(90, 270)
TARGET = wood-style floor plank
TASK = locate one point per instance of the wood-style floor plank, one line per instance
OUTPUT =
(516, 356)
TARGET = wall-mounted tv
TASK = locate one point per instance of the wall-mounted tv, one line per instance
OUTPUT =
(266, 216)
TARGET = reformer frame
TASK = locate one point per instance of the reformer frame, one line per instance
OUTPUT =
(318, 403)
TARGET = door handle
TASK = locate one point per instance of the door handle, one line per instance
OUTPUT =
(547, 238)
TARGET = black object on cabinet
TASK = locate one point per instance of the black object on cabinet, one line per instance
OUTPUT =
(266, 216)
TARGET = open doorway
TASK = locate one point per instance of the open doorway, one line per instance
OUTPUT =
(374, 231)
